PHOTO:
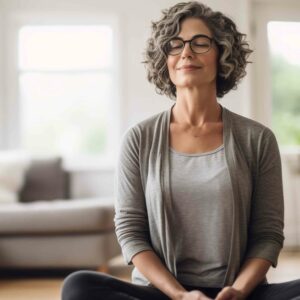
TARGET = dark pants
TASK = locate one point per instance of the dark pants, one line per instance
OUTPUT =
(90, 285)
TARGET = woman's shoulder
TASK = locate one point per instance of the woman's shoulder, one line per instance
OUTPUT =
(153, 121)
(149, 124)
(147, 127)
(246, 126)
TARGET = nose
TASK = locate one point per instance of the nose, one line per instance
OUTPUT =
(187, 51)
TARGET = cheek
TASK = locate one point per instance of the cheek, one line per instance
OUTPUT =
(171, 64)
(211, 65)
(214, 61)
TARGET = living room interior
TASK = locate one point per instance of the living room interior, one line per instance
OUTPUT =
(72, 82)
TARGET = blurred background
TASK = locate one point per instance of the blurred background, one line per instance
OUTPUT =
(71, 82)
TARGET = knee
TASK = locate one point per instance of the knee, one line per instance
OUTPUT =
(75, 286)
(295, 284)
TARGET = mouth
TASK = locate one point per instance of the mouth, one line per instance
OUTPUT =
(189, 68)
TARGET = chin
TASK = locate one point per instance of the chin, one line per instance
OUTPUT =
(195, 82)
(190, 83)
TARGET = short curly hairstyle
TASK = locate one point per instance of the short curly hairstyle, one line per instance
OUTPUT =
(232, 47)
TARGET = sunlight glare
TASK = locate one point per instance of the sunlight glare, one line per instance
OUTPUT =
(284, 39)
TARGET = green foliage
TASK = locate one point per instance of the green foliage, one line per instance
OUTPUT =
(95, 141)
(286, 101)
(287, 128)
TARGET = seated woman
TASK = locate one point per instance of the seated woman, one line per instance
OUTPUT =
(199, 200)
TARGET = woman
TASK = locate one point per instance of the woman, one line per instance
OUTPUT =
(199, 208)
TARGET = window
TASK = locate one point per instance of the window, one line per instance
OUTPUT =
(284, 41)
(66, 80)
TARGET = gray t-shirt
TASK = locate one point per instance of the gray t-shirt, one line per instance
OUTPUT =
(202, 206)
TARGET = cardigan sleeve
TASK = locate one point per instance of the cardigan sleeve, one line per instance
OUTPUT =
(131, 221)
(267, 209)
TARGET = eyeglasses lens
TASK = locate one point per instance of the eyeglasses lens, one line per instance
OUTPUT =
(197, 44)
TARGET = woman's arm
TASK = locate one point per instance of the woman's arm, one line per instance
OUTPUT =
(131, 216)
(266, 237)
(251, 274)
(265, 232)
(149, 264)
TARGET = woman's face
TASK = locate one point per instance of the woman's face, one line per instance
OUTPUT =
(189, 69)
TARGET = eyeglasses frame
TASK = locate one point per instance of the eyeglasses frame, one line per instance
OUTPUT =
(190, 43)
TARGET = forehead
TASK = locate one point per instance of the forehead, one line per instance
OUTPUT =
(192, 26)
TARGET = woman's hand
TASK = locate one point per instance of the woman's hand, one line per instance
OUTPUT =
(192, 295)
(230, 293)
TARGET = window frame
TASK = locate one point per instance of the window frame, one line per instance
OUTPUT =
(11, 124)
(265, 11)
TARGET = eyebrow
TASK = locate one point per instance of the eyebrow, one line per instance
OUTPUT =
(196, 35)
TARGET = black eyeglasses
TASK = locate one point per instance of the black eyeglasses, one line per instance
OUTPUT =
(199, 44)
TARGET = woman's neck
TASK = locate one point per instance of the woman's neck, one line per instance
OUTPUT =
(196, 108)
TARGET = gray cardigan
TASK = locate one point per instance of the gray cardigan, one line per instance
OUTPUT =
(143, 205)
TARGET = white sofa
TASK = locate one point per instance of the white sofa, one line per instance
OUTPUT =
(46, 229)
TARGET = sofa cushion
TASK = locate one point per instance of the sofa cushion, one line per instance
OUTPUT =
(45, 180)
(57, 217)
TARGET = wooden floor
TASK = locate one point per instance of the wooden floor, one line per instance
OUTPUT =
(30, 289)
(34, 288)
(49, 288)
(288, 268)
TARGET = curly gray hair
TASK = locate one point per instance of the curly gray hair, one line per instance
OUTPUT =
(232, 47)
